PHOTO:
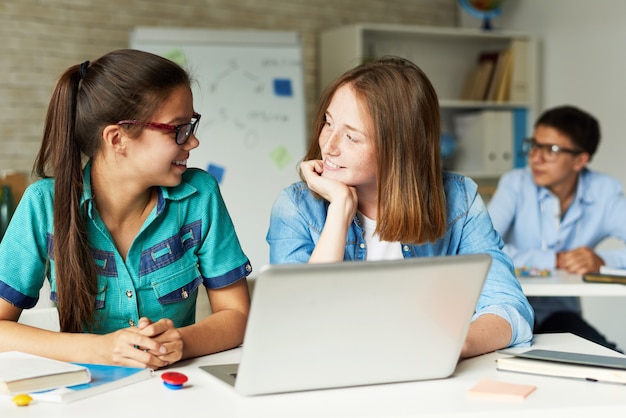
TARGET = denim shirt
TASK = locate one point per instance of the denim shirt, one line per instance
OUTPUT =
(534, 229)
(298, 217)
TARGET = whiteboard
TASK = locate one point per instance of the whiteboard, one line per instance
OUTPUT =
(248, 86)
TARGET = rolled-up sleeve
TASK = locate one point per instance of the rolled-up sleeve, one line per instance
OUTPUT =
(502, 293)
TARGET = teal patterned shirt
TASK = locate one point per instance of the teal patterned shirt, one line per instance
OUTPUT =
(188, 240)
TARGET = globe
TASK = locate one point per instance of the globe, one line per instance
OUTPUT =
(483, 9)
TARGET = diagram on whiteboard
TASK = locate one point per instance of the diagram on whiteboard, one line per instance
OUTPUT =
(252, 131)
(257, 84)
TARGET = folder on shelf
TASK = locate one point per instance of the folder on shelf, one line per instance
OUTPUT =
(485, 142)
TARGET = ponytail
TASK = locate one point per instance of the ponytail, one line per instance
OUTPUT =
(61, 155)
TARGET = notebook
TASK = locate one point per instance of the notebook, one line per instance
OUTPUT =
(590, 367)
(319, 326)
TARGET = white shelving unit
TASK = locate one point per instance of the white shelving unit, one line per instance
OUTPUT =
(446, 55)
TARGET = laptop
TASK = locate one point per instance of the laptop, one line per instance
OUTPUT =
(321, 326)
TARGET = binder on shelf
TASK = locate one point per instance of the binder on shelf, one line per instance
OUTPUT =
(485, 142)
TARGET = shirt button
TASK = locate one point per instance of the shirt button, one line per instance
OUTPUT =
(362, 245)
(131, 322)
(406, 248)
(129, 294)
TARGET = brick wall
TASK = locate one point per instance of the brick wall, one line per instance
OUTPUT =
(41, 38)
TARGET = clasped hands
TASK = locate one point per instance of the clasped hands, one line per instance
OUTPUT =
(149, 344)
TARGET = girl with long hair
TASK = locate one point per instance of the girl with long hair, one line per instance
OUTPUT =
(125, 234)
(373, 188)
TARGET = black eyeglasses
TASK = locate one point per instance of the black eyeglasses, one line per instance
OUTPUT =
(183, 131)
(549, 151)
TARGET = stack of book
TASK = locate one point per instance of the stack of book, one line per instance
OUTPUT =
(57, 381)
(606, 275)
(499, 76)
(594, 368)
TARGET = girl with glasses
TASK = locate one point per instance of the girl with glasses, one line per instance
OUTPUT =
(123, 231)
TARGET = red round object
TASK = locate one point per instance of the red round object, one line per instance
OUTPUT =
(174, 378)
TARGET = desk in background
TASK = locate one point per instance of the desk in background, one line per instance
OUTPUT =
(204, 395)
(597, 309)
(562, 283)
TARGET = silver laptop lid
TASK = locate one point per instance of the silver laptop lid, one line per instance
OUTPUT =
(315, 326)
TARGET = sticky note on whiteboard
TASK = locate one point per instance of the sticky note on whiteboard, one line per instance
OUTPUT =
(216, 171)
(176, 55)
(280, 156)
(282, 87)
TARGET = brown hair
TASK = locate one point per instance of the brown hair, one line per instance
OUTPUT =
(405, 112)
(124, 84)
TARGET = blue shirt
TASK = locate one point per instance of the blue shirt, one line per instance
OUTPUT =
(297, 220)
(187, 240)
(530, 221)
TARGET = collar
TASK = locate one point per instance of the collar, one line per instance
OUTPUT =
(177, 193)
(584, 193)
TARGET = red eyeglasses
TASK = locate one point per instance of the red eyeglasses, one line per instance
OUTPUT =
(183, 131)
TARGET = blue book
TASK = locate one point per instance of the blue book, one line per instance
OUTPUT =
(103, 379)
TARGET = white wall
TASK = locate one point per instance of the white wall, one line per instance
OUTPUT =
(583, 53)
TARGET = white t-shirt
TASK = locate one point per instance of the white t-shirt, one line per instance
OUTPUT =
(377, 249)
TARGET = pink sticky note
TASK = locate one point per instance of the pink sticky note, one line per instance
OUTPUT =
(495, 389)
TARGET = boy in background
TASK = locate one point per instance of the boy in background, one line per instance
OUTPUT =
(553, 213)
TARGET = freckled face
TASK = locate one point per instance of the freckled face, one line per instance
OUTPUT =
(345, 141)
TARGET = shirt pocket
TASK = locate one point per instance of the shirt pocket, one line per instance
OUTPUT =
(100, 291)
(178, 287)
(176, 293)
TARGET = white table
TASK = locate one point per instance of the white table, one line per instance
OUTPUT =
(206, 396)
(562, 283)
